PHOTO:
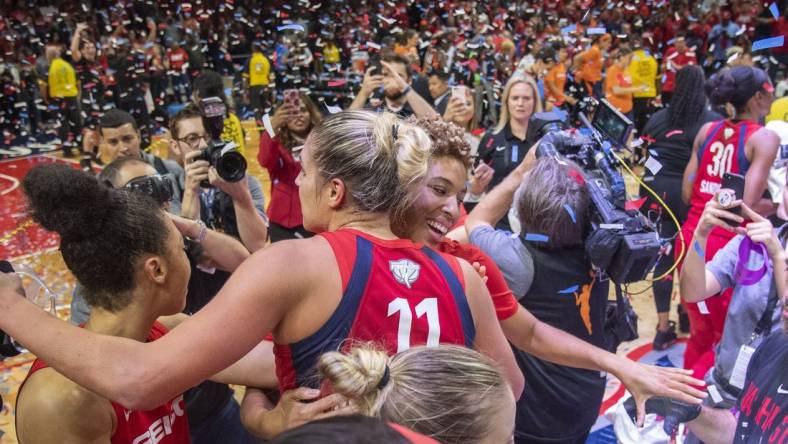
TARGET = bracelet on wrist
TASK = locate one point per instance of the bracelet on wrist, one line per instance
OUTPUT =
(201, 235)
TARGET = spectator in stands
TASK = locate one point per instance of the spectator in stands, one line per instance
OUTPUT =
(588, 65)
(280, 157)
(643, 70)
(178, 65)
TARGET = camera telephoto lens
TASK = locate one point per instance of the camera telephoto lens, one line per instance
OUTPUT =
(231, 166)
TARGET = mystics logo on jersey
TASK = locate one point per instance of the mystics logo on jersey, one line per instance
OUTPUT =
(405, 271)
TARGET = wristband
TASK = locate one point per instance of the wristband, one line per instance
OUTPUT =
(201, 235)
(406, 90)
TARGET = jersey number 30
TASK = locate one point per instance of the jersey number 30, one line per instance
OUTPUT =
(428, 306)
(722, 161)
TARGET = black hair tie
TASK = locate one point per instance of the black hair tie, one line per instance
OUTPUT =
(384, 380)
(394, 132)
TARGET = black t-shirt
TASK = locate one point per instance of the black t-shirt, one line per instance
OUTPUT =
(673, 145)
(763, 404)
(503, 152)
(561, 402)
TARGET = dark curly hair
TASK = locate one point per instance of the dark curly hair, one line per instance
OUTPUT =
(103, 231)
(448, 139)
(736, 85)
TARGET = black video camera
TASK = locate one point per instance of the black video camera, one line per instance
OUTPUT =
(159, 187)
(230, 164)
(622, 243)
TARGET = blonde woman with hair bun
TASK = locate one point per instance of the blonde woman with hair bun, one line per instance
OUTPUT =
(355, 280)
(449, 393)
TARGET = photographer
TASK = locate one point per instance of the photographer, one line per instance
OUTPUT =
(548, 270)
(398, 95)
(119, 136)
(235, 207)
(750, 316)
(276, 155)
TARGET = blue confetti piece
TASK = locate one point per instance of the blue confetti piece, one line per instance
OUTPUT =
(593, 31)
(773, 9)
(568, 29)
(571, 212)
(699, 250)
(569, 290)
(292, 27)
(771, 42)
(534, 237)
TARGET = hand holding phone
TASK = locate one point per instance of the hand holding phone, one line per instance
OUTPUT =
(735, 183)
(458, 93)
(292, 99)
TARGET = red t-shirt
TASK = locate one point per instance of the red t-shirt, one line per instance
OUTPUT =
(503, 299)
(285, 206)
(672, 58)
(177, 59)
(166, 424)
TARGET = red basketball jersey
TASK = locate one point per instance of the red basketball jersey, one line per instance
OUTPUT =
(166, 424)
(396, 294)
(722, 152)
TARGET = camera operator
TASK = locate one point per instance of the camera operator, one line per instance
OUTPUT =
(237, 208)
(119, 136)
(394, 76)
(555, 281)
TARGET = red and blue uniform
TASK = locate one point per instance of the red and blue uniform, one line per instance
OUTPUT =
(723, 151)
(395, 293)
(166, 424)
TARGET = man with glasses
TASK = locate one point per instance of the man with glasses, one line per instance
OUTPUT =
(119, 136)
(237, 208)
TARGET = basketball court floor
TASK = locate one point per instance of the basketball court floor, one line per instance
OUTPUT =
(23, 242)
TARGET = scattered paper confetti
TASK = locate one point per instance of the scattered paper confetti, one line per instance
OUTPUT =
(571, 212)
(535, 237)
(699, 250)
(569, 290)
(771, 42)
(290, 27)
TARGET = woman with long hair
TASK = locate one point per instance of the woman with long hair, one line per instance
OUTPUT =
(670, 134)
(354, 281)
(277, 155)
(739, 145)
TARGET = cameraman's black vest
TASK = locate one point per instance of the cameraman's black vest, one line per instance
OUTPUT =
(560, 401)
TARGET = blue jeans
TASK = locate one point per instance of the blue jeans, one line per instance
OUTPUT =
(224, 427)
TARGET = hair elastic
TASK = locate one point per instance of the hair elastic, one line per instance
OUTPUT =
(384, 380)
(394, 132)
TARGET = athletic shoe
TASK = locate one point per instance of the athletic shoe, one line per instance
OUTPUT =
(664, 339)
(684, 323)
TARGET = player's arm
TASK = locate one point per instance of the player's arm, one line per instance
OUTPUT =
(531, 335)
(254, 298)
(61, 412)
(764, 145)
(692, 167)
(490, 340)
(256, 369)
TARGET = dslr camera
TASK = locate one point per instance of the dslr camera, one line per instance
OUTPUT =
(622, 243)
(223, 155)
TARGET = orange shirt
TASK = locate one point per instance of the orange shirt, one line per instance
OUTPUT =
(591, 69)
(617, 76)
(557, 78)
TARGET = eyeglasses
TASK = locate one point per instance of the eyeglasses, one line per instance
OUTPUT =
(193, 140)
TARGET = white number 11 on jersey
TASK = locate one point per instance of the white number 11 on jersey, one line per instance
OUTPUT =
(428, 306)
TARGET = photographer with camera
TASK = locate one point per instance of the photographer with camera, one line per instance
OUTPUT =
(394, 77)
(292, 121)
(752, 264)
(732, 152)
(233, 203)
(548, 269)
(119, 136)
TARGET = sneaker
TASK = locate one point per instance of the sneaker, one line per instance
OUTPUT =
(664, 339)
(684, 322)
